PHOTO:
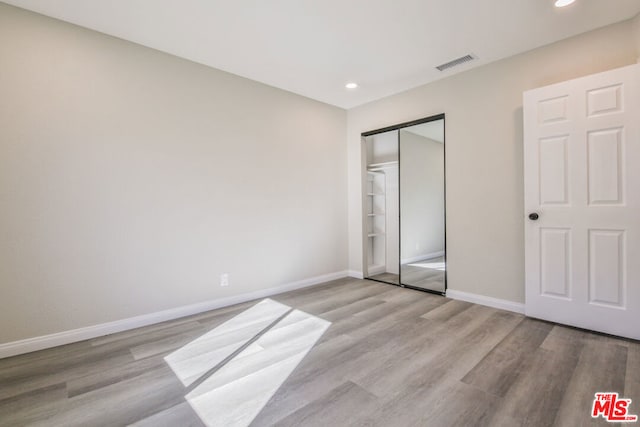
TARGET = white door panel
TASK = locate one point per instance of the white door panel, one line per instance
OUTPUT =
(582, 177)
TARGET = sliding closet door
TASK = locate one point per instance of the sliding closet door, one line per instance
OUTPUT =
(422, 206)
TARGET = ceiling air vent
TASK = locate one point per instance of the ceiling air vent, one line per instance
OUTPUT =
(456, 62)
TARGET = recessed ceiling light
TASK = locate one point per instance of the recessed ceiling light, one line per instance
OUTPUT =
(563, 3)
(351, 85)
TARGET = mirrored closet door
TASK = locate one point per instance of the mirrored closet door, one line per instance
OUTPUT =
(404, 205)
(422, 235)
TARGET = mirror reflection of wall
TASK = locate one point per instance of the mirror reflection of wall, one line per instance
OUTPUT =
(422, 218)
(404, 219)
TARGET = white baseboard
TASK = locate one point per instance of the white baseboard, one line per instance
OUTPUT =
(356, 274)
(502, 304)
(422, 257)
(67, 337)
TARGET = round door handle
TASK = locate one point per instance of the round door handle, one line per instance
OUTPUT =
(533, 216)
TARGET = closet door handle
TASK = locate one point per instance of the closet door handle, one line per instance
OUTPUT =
(534, 216)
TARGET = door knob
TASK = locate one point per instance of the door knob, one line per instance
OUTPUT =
(533, 216)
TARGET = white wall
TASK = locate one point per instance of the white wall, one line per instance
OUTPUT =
(483, 110)
(383, 147)
(421, 196)
(636, 24)
(130, 179)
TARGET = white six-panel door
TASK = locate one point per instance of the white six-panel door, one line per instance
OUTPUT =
(582, 179)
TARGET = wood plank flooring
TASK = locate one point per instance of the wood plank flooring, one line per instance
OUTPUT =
(391, 357)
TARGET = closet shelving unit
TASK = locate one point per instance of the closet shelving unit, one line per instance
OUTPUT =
(376, 217)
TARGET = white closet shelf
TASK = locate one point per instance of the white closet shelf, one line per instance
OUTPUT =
(375, 214)
(375, 194)
(375, 234)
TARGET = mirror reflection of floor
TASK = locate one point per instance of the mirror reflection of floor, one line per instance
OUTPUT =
(426, 274)
(392, 278)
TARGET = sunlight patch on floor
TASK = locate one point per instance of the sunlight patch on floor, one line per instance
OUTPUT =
(201, 355)
(236, 392)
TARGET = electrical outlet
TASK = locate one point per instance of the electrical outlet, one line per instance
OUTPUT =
(224, 279)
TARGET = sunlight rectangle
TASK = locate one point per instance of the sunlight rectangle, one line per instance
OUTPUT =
(236, 393)
(201, 355)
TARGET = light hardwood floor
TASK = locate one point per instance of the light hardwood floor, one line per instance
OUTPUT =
(391, 357)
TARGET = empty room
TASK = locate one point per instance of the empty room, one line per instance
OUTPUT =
(319, 213)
